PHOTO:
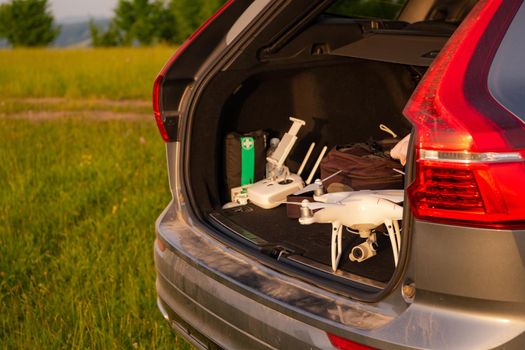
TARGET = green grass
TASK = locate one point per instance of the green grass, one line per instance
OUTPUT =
(112, 73)
(78, 201)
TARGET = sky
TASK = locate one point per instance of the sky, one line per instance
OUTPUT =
(63, 9)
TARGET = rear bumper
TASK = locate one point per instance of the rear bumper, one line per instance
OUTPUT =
(223, 317)
(210, 292)
(238, 303)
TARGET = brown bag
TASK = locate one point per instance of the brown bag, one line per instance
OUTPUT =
(363, 167)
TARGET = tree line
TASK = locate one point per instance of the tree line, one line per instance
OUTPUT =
(144, 22)
(149, 22)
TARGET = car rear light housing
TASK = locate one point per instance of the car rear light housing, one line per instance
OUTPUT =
(470, 150)
(345, 344)
(168, 124)
(160, 244)
(156, 108)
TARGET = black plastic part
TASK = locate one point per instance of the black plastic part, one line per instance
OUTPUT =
(173, 91)
(385, 48)
(171, 124)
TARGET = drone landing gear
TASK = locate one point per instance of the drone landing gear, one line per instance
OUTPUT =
(359, 253)
(366, 249)
(337, 244)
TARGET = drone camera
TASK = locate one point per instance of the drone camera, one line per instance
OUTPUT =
(362, 252)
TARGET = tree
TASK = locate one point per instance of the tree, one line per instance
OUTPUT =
(152, 21)
(143, 21)
(133, 18)
(111, 37)
(187, 14)
(190, 14)
(165, 23)
(27, 23)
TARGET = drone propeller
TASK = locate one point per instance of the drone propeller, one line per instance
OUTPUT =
(309, 188)
(313, 205)
(316, 185)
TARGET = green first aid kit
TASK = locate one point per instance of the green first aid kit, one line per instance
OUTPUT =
(244, 158)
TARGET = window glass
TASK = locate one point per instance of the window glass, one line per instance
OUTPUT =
(386, 9)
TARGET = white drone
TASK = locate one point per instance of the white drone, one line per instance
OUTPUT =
(362, 211)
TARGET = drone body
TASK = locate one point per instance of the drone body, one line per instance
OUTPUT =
(395, 196)
(359, 210)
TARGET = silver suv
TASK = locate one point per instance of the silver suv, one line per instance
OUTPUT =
(447, 72)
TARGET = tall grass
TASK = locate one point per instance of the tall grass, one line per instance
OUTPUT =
(112, 73)
(78, 201)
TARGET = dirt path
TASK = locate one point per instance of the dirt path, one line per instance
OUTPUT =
(93, 115)
(49, 108)
(102, 102)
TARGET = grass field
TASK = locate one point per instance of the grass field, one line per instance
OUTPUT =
(79, 198)
(112, 73)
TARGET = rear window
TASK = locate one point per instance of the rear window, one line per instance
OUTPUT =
(385, 9)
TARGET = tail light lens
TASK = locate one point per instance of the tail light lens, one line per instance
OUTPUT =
(156, 108)
(160, 244)
(167, 126)
(345, 344)
(470, 150)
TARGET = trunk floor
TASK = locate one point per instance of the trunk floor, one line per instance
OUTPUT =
(310, 241)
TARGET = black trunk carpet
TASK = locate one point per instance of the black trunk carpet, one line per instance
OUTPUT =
(313, 241)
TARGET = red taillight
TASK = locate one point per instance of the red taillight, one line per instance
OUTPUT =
(470, 150)
(161, 245)
(156, 107)
(157, 86)
(449, 188)
(345, 344)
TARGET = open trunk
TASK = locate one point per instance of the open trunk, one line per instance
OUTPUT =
(344, 80)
